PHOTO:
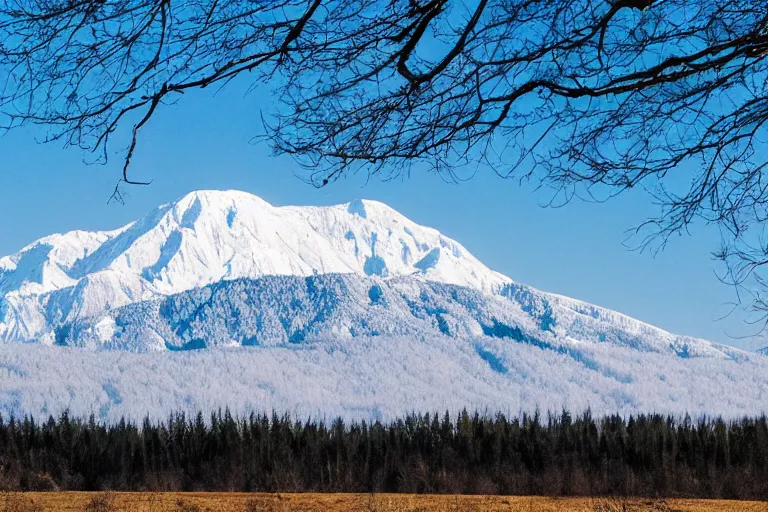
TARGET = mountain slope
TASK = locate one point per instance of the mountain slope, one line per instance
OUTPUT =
(348, 310)
(210, 236)
(380, 377)
(73, 288)
(276, 310)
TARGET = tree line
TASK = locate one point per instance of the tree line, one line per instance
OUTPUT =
(643, 455)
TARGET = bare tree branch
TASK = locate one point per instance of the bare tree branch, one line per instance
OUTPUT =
(587, 97)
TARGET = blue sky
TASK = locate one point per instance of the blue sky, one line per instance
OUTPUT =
(205, 142)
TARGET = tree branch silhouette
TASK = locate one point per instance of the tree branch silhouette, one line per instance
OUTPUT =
(587, 97)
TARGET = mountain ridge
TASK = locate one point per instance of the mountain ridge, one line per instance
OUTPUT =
(349, 310)
(274, 310)
(206, 237)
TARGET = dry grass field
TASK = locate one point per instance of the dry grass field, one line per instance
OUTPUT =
(237, 502)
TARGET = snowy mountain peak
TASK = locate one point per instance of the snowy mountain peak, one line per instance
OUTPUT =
(208, 236)
(385, 274)
(392, 316)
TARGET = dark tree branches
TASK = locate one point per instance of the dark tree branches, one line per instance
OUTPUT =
(83, 68)
(587, 97)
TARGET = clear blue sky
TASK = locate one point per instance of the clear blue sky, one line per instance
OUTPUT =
(204, 142)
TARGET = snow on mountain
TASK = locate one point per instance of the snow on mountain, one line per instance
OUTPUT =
(381, 377)
(209, 236)
(349, 310)
(275, 310)
(73, 288)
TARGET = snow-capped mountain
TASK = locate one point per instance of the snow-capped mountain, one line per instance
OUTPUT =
(73, 288)
(210, 236)
(350, 309)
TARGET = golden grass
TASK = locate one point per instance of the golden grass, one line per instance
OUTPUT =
(241, 502)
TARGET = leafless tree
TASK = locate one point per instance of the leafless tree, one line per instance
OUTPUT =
(587, 97)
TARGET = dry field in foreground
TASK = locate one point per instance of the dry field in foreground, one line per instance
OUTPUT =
(239, 502)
